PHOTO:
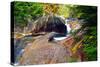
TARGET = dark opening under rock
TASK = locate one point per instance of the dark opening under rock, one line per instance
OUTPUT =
(49, 23)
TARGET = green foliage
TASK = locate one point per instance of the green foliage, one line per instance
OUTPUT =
(26, 10)
(90, 44)
(89, 13)
(66, 10)
(63, 10)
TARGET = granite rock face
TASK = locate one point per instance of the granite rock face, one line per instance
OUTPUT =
(41, 51)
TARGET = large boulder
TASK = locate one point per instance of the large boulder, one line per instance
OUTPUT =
(41, 51)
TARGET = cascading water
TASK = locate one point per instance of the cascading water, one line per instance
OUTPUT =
(19, 45)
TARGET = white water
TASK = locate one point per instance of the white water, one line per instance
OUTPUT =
(68, 31)
(68, 28)
(61, 38)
